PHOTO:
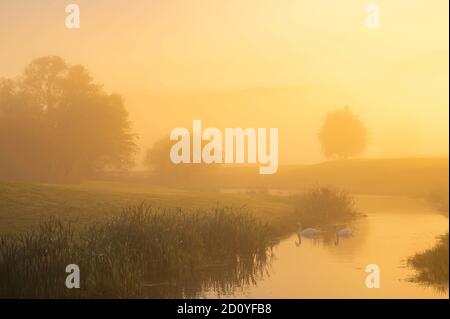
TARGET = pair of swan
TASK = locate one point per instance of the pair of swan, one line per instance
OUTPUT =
(314, 233)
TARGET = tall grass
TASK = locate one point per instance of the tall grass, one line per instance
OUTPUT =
(432, 265)
(324, 204)
(142, 252)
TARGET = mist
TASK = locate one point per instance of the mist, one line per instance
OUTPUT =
(232, 64)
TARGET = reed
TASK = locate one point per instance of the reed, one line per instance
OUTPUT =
(144, 251)
(432, 265)
(324, 204)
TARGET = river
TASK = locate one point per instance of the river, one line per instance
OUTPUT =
(394, 229)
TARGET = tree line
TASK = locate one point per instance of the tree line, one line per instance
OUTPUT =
(58, 125)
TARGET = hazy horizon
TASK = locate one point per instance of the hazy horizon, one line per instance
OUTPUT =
(231, 64)
(185, 149)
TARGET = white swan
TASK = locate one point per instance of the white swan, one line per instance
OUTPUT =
(308, 232)
(344, 233)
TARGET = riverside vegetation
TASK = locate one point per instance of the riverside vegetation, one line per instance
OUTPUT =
(150, 251)
(158, 250)
(142, 252)
(432, 265)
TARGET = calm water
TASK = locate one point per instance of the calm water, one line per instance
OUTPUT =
(394, 229)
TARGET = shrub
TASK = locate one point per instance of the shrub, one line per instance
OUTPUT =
(324, 205)
(432, 264)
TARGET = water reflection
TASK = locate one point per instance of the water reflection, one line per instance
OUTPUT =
(329, 264)
(336, 235)
(233, 275)
(319, 267)
(432, 266)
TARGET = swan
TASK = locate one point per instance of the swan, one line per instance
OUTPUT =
(344, 233)
(308, 232)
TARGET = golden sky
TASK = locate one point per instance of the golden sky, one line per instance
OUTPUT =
(263, 63)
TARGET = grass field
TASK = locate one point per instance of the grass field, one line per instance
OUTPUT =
(24, 205)
(177, 232)
(401, 176)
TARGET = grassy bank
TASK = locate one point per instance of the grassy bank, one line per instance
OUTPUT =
(324, 205)
(380, 176)
(25, 205)
(432, 264)
(142, 252)
(179, 244)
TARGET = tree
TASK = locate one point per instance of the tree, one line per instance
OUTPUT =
(343, 134)
(183, 174)
(157, 158)
(57, 125)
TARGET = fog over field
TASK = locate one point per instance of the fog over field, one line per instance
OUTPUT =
(224, 148)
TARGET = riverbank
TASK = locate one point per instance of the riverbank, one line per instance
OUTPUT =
(93, 205)
(144, 252)
(24, 205)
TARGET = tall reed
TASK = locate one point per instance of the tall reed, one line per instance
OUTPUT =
(432, 265)
(142, 252)
(324, 204)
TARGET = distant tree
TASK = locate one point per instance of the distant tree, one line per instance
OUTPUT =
(342, 135)
(157, 158)
(158, 161)
(56, 124)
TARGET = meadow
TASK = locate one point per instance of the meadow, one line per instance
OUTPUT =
(134, 238)
(25, 205)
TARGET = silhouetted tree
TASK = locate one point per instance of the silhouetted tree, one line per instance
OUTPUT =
(157, 158)
(186, 174)
(343, 134)
(56, 124)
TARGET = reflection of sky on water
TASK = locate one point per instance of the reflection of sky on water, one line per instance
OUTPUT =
(317, 268)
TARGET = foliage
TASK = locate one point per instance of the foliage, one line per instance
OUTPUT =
(321, 205)
(144, 251)
(57, 125)
(432, 264)
(343, 134)
(165, 172)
